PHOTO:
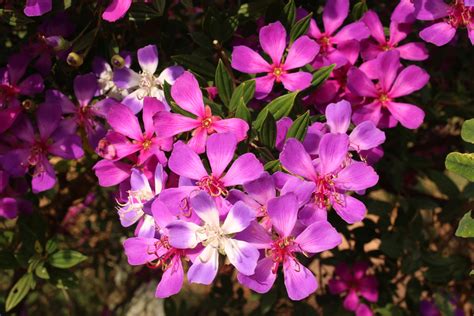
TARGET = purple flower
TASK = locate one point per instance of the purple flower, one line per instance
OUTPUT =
(53, 137)
(220, 151)
(12, 193)
(188, 96)
(333, 174)
(215, 237)
(282, 246)
(337, 47)
(273, 42)
(454, 16)
(37, 7)
(116, 10)
(84, 113)
(105, 75)
(139, 195)
(371, 48)
(127, 137)
(354, 282)
(393, 82)
(404, 12)
(145, 83)
(156, 252)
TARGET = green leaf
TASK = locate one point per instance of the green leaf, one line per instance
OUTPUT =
(267, 133)
(462, 164)
(201, 39)
(299, 127)
(467, 131)
(359, 9)
(244, 92)
(320, 75)
(196, 64)
(159, 6)
(289, 13)
(444, 183)
(279, 108)
(224, 83)
(41, 271)
(141, 12)
(19, 291)
(300, 27)
(51, 246)
(66, 259)
(273, 166)
(243, 112)
(466, 226)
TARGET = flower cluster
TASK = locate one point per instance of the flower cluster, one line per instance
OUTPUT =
(191, 178)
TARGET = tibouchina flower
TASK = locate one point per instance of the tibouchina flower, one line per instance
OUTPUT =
(216, 238)
(85, 113)
(127, 136)
(188, 96)
(156, 252)
(116, 10)
(105, 75)
(220, 150)
(282, 247)
(354, 282)
(145, 83)
(333, 174)
(393, 82)
(371, 48)
(337, 47)
(37, 7)
(273, 42)
(448, 19)
(139, 194)
(52, 138)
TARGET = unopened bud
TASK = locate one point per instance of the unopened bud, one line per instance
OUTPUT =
(74, 59)
(28, 105)
(118, 61)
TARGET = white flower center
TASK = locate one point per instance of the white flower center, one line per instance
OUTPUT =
(214, 236)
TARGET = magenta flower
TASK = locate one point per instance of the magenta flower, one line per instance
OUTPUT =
(355, 282)
(273, 42)
(52, 137)
(188, 96)
(393, 82)
(116, 10)
(333, 174)
(139, 195)
(337, 47)
(37, 7)
(454, 16)
(281, 248)
(404, 12)
(371, 48)
(84, 113)
(220, 151)
(127, 137)
(156, 252)
(145, 83)
(111, 172)
(215, 237)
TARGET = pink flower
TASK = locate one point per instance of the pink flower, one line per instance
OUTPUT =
(273, 42)
(354, 282)
(282, 246)
(394, 81)
(116, 10)
(371, 48)
(337, 47)
(188, 96)
(37, 7)
(454, 16)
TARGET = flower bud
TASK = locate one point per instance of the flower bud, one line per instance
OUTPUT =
(28, 105)
(118, 61)
(74, 59)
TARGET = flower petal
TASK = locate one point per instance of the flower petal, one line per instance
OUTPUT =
(360, 84)
(409, 115)
(236, 126)
(137, 250)
(350, 209)
(372, 21)
(355, 177)
(263, 278)
(413, 51)
(205, 207)
(182, 234)
(238, 218)
(333, 150)
(299, 281)
(354, 31)
(427, 10)
(283, 212)
(439, 33)
(187, 94)
(204, 268)
(172, 279)
(123, 121)
(351, 301)
(220, 150)
(85, 87)
(388, 65)
(245, 168)
(242, 255)
(334, 14)
(301, 53)
(248, 61)
(296, 160)
(37, 7)
(261, 189)
(366, 136)
(318, 237)
(169, 124)
(263, 86)
(148, 58)
(273, 41)
(116, 10)
(111, 173)
(338, 116)
(296, 81)
(186, 163)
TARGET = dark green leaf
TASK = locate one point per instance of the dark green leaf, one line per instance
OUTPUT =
(267, 133)
(299, 127)
(196, 64)
(243, 112)
(273, 166)
(66, 259)
(466, 226)
(159, 6)
(19, 291)
(141, 12)
(300, 28)
(320, 75)
(84, 42)
(244, 92)
(279, 108)
(224, 83)
(359, 9)
(289, 13)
